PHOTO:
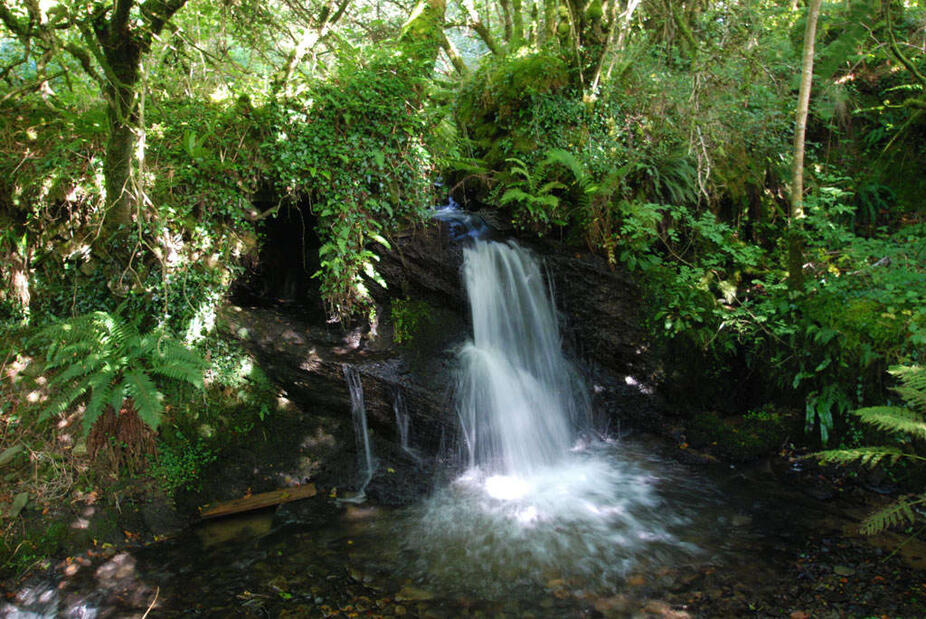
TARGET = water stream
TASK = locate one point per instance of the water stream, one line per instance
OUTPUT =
(542, 496)
(366, 464)
(402, 422)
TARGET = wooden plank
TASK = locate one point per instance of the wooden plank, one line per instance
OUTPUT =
(257, 501)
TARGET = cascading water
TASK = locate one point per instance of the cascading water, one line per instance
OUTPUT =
(520, 400)
(366, 464)
(402, 422)
(540, 498)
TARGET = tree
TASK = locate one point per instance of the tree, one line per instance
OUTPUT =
(109, 41)
(795, 244)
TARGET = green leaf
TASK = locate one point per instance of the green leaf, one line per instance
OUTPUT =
(146, 396)
(381, 240)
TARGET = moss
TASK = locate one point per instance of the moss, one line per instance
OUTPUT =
(41, 541)
(409, 319)
(740, 438)
(861, 321)
(422, 34)
(500, 88)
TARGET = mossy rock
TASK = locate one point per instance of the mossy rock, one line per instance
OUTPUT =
(741, 438)
(860, 320)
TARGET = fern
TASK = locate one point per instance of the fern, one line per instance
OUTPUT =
(148, 400)
(868, 456)
(893, 419)
(905, 421)
(897, 513)
(102, 359)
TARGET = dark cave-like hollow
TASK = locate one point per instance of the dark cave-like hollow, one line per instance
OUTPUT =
(281, 275)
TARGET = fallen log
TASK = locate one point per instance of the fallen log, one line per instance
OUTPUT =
(257, 501)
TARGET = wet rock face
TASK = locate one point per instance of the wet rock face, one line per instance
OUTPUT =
(601, 308)
(306, 357)
(307, 361)
(600, 305)
(423, 264)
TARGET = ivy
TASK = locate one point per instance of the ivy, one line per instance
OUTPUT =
(354, 146)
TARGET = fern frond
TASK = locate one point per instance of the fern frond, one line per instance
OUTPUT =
(146, 395)
(913, 388)
(550, 186)
(915, 398)
(897, 513)
(144, 346)
(473, 166)
(514, 195)
(117, 333)
(547, 200)
(893, 419)
(868, 456)
(60, 404)
(117, 396)
(101, 388)
(177, 362)
(912, 376)
(570, 162)
(79, 368)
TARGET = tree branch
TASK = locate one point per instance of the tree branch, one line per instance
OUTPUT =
(895, 49)
(9, 20)
(159, 13)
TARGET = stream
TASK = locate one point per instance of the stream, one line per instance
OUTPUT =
(441, 557)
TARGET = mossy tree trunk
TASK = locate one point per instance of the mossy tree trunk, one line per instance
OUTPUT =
(423, 34)
(119, 42)
(108, 40)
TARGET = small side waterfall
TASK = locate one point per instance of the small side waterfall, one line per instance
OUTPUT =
(402, 423)
(366, 464)
(520, 401)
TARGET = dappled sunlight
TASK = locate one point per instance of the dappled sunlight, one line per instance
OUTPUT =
(91, 584)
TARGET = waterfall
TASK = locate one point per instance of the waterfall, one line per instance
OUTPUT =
(541, 499)
(520, 401)
(366, 464)
(402, 422)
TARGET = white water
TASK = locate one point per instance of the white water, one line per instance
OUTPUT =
(366, 464)
(539, 500)
(521, 402)
(402, 421)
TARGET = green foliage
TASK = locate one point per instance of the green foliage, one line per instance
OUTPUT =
(18, 555)
(502, 90)
(756, 433)
(205, 171)
(354, 146)
(408, 318)
(238, 399)
(534, 203)
(180, 462)
(102, 358)
(904, 424)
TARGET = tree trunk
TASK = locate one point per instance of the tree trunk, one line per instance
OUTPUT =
(517, 25)
(795, 241)
(549, 20)
(119, 168)
(423, 34)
